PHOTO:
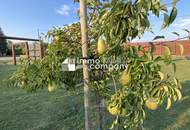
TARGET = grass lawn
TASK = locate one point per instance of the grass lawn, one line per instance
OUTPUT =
(61, 110)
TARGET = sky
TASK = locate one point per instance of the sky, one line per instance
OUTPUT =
(23, 18)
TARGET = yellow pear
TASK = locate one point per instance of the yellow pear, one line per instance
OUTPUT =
(125, 78)
(164, 88)
(151, 104)
(56, 38)
(101, 46)
(23, 83)
(114, 110)
(52, 87)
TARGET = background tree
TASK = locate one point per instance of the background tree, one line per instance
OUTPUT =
(3, 43)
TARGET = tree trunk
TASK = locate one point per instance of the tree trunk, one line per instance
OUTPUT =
(99, 112)
(84, 34)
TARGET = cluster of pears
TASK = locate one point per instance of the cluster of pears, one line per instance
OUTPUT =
(125, 79)
(114, 109)
(115, 104)
(52, 86)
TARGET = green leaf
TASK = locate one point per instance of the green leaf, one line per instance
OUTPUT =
(103, 16)
(187, 31)
(173, 15)
(157, 59)
(164, 8)
(158, 37)
(114, 123)
(175, 81)
(167, 50)
(166, 21)
(161, 75)
(152, 47)
(175, 33)
(169, 104)
(106, 5)
(174, 67)
(179, 95)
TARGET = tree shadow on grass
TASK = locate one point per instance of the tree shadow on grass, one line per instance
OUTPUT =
(177, 118)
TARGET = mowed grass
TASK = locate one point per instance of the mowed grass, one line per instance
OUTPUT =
(61, 110)
(20, 110)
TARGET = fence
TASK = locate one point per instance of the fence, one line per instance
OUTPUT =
(174, 47)
(32, 51)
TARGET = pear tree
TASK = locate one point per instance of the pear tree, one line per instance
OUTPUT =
(143, 84)
(111, 25)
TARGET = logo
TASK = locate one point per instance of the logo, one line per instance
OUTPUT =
(73, 64)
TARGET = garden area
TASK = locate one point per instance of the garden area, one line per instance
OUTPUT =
(93, 74)
(64, 111)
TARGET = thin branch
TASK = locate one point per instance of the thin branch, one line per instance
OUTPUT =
(115, 86)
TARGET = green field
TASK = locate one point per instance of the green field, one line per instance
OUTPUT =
(61, 110)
